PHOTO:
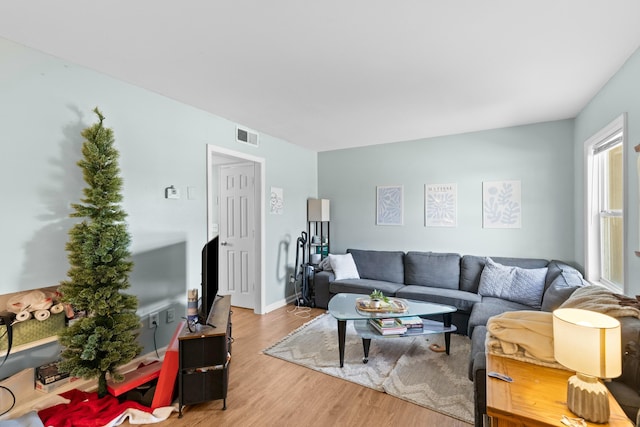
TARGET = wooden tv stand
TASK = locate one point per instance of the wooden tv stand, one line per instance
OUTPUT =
(203, 369)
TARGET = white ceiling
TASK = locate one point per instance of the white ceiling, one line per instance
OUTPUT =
(330, 74)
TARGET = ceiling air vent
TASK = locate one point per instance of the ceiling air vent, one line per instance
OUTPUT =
(247, 136)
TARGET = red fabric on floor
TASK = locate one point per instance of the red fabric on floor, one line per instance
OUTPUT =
(86, 410)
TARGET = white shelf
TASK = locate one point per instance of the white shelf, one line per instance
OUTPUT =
(30, 345)
(29, 399)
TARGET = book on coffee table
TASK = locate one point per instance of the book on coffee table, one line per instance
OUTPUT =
(385, 322)
(396, 329)
(412, 322)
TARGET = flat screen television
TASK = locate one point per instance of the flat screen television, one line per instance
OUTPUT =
(209, 277)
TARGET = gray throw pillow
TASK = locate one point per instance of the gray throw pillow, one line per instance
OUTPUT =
(521, 285)
(561, 289)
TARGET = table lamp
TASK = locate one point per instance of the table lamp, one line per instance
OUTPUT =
(588, 343)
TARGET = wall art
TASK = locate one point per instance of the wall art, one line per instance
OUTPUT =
(501, 204)
(389, 200)
(441, 205)
(276, 201)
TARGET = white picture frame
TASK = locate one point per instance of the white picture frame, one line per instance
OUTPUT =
(441, 205)
(501, 204)
(389, 205)
(276, 201)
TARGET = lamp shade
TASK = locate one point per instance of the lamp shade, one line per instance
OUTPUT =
(587, 342)
(317, 210)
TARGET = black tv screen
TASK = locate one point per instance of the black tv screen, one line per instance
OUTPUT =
(209, 277)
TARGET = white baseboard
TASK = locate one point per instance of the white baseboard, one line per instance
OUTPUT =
(281, 303)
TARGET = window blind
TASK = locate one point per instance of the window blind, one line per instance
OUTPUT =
(608, 143)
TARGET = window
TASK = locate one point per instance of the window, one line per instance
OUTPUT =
(605, 201)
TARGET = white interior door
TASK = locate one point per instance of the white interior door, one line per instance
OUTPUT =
(237, 234)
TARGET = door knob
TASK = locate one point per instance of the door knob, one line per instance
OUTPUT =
(223, 243)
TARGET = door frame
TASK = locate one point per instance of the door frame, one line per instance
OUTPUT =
(217, 155)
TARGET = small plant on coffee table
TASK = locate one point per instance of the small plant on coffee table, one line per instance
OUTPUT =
(377, 295)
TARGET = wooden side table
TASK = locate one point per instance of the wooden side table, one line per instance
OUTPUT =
(537, 397)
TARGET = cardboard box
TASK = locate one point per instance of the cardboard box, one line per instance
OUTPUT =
(54, 386)
(49, 373)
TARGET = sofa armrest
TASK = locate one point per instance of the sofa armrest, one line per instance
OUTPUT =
(478, 372)
(477, 347)
(321, 281)
(480, 388)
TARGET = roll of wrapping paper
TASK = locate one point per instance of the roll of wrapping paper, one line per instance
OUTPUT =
(55, 309)
(192, 305)
(41, 315)
(22, 316)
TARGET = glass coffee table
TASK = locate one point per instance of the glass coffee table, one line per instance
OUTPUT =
(343, 308)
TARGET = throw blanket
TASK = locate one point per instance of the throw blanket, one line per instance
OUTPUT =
(86, 410)
(529, 333)
(600, 299)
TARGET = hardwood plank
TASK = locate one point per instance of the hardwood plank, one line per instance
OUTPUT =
(266, 391)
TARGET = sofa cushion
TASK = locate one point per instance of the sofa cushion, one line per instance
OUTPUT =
(555, 269)
(461, 300)
(630, 346)
(363, 286)
(522, 285)
(631, 366)
(379, 265)
(626, 387)
(627, 398)
(440, 270)
(488, 308)
(471, 267)
(560, 289)
(343, 266)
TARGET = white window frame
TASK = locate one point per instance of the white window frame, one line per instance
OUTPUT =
(592, 214)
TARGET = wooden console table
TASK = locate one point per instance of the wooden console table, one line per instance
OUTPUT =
(537, 397)
(203, 370)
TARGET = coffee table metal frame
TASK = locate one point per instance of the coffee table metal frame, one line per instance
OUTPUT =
(343, 308)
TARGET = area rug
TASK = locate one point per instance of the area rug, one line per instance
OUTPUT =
(402, 367)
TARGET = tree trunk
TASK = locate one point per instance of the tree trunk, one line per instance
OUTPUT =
(102, 385)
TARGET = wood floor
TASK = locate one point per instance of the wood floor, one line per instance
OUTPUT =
(266, 391)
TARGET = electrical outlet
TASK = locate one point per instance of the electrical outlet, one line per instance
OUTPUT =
(154, 320)
(171, 315)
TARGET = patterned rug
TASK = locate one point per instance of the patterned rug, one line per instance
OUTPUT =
(402, 367)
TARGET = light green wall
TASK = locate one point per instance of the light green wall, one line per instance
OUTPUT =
(46, 102)
(539, 155)
(620, 95)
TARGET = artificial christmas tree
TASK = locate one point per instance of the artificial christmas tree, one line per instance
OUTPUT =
(98, 251)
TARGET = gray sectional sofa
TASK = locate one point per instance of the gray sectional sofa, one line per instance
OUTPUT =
(453, 279)
(444, 278)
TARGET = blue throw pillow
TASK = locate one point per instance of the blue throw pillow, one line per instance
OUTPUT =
(521, 285)
(560, 289)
